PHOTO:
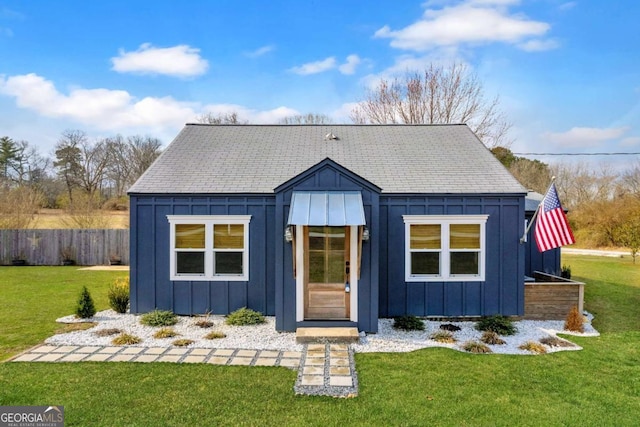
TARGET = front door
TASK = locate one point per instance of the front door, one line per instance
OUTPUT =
(327, 267)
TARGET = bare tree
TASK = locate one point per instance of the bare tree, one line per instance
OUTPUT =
(69, 158)
(631, 180)
(306, 119)
(439, 94)
(221, 119)
(129, 159)
(94, 160)
(580, 183)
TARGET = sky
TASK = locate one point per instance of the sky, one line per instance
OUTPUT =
(567, 73)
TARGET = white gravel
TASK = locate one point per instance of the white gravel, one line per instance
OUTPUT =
(265, 337)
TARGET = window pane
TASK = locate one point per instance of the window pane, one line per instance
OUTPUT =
(316, 266)
(425, 236)
(190, 262)
(464, 263)
(336, 237)
(190, 236)
(316, 238)
(335, 267)
(464, 236)
(425, 263)
(228, 262)
(228, 236)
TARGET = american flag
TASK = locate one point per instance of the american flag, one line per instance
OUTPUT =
(552, 227)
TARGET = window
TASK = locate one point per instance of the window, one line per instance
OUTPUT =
(209, 247)
(444, 248)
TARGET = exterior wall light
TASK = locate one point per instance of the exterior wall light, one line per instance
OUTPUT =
(288, 235)
(365, 234)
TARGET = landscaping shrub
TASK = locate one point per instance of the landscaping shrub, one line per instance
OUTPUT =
(565, 272)
(490, 337)
(182, 342)
(107, 332)
(85, 308)
(203, 323)
(214, 335)
(501, 325)
(245, 316)
(165, 333)
(118, 295)
(159, 318)
(443, 337)
(556, 342)
(408, 323)
(574, 321)
(126, 339)
(476, 347)
(533, 346)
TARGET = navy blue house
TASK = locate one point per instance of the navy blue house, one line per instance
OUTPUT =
(322, 225)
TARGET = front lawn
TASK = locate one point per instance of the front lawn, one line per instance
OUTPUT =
(599, 385)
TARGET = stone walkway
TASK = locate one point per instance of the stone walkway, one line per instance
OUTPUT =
(323, 369)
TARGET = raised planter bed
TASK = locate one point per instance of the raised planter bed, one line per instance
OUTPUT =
(549, 297)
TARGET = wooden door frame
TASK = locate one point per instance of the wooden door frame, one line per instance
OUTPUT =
(301, 273)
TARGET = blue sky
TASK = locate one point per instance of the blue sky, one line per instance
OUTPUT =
(567, 72)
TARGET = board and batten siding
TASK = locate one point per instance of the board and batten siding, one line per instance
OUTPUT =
(150, 284)
(502, 292)
(45, 247)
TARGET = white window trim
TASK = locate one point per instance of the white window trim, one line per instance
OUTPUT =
(445, 221)
(209, 221)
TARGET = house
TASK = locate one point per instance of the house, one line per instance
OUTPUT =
(328, 225)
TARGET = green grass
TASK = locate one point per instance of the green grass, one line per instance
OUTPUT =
(597, 386)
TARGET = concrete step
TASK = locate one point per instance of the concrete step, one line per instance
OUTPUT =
(336, 335)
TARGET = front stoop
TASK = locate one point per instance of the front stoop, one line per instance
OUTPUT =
(335, 335)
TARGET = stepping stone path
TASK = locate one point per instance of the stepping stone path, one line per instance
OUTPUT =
(323, 369)
(327, 370)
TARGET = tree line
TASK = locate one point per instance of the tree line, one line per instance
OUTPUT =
(83, 176)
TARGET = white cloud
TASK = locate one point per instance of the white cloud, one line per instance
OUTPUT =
(469, 22)
(538, 45)
(585, 136)
(315, 67)
(409, 64)
(178, 61)
(568, 5)
(251, 115)
(350, 66)
(6, 32)
(261, 51)
(631, 141)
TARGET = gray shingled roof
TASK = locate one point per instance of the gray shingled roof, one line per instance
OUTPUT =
(258, 158)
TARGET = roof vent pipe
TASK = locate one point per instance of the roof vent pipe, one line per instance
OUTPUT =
(330, 136)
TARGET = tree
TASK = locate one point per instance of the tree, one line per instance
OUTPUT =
(532, 174)
(627, 235)
(438, 94)
(221, 119)
(69, 159)
(306, 119)
(129, 159)
(9, 156)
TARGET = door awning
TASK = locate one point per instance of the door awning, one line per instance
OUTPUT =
(333, 208)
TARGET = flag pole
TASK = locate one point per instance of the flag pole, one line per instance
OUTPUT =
(535, 214)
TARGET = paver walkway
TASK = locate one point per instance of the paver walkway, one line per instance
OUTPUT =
(323, 369)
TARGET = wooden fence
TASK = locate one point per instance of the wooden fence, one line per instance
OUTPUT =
(50, 247)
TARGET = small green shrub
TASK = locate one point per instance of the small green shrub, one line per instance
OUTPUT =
(245, 316)
(85, 308)
(118, 295)
(165, 333)
(533, 346)
(556, 342)
(501, 325)
(126, 339)
(159, 318)
(214, 335)
(476, 347)
(107, 332)
(408, 323)
(182, 342)
(490, 337)
(565, 272)
(443, 337)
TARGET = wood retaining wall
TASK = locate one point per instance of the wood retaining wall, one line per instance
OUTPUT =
(551, 297)
(47, 247)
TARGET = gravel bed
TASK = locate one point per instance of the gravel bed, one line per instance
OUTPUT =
(265, 337)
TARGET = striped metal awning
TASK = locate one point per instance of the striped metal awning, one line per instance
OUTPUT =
(335, 208)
